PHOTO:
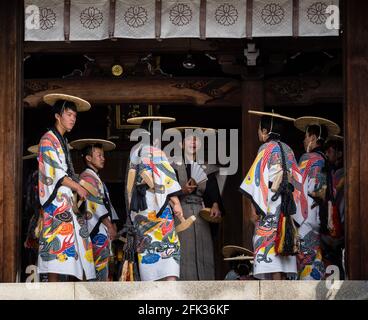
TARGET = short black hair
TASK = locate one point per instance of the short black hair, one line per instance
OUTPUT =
(87, 151)
(62, 105)
(243, 268)
(337, 145)
(273, 125)
(320, 131)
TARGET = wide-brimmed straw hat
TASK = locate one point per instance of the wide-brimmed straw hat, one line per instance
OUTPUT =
(193, 128)
(335, 137)
(303, 123)
(270, 114)
(231, 252)
(140, 120)
(80, 144)
(81, 104)
(33, 150)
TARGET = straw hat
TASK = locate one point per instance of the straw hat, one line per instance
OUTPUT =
(335, 137)
(139, 120)
(80, 144)
(270, 114)
(231, 252)
(81, 104)
(193, 128)
(240, 257)
(205, 213)
(303, 122)
(33, 150)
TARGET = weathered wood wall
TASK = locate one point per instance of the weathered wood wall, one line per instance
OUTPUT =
(11, 41)
(356, 142)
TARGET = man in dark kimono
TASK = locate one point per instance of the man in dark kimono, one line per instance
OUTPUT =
(197, 251)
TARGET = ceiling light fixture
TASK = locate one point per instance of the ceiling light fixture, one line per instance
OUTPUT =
(189, 63)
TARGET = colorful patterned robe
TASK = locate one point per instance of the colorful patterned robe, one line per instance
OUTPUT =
(310, 265)
(257, 187)
(96, 210)
(64, 244)
(158, 245)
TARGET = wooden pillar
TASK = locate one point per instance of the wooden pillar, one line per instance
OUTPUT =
(356, 137)
(252, 99)
(11, 43)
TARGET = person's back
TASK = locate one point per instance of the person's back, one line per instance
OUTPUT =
(268, 184)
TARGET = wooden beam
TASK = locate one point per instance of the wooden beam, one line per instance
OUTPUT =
(356, 142)
(252, 99)
(302, 91)
(143, 90)
(129, 46)
(209, 92)
(11, 25)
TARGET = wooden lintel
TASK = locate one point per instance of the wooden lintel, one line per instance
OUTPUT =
(211, 92)
(144, 90)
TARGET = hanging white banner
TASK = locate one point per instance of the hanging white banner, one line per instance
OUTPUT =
(44, 20)
(135, 19)
(89, 19)
(316, 18)
(272, 18)
(225, 19)
(180, 19)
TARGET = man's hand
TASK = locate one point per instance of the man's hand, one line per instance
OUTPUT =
(317, 201)
(215, 211)
(83, 193)
(178, 210)
(189, 187)
(254, 217)
(112, 231)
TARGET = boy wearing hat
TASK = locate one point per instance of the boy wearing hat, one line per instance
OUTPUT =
(333, 242)
(197, 243)
(98, 210)
(334, 151)
(273, 186)
(32, 205)
(317, 183)
(64, 245)
(240, 260)
(31, 210)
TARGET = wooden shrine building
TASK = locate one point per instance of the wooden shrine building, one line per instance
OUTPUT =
(280, 54)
